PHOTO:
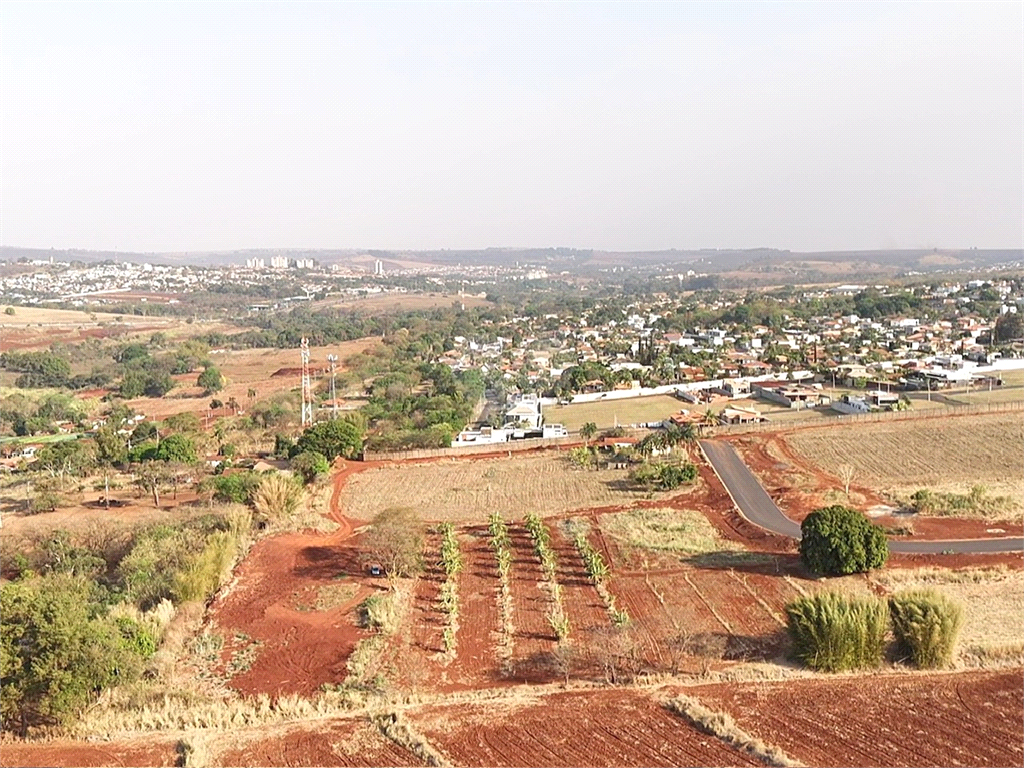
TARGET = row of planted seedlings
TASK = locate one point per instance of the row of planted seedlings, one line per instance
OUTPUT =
(599, 572)
(502, 544)
(541, 536)
(451, 560)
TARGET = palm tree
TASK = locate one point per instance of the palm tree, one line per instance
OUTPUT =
(587, 431)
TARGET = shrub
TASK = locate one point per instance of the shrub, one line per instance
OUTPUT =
(210, 380)
(832, 632)
(276, 497)
(838, 540)
(178, 448)
(309, 464)
(237, 488)
(378, 612)
(927, 626)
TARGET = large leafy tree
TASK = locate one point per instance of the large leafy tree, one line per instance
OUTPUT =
(178, 448)
(332, 439)
(838, 540)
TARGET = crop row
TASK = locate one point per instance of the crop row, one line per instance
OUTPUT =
(598, 571)
(502, 545)
(541, 536)
(451, 560)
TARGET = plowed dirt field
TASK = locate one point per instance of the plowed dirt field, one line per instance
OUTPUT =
(344, 743)
(893, 720)
(596, 728)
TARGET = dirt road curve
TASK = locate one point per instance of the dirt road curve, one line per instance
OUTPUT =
(757, 506)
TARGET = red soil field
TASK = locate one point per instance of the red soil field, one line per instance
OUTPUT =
(968, 718)
(344, 743)
(139, 752)
(479, 622)
(428, 621)
(583, 604)
(595, 728)
(301, 649)
(534, 638)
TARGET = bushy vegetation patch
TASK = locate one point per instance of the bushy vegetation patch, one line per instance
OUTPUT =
(832, 632)
(927, 626)
(977, 502)
(837, 541)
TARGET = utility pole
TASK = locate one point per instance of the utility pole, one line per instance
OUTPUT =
(332, 359)
(307, 389)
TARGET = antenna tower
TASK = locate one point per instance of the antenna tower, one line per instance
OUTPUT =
(332, 359)
(307, 389)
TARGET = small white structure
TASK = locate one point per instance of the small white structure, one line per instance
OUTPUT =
(527, 411)
(482, 436)
(555, 430)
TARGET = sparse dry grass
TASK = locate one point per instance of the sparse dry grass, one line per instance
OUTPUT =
(685, 532)
(948, 455)
(468, 491)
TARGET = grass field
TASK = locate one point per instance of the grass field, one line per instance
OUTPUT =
(468, 491)
(632, 410)
(946, 454)
(685, 532)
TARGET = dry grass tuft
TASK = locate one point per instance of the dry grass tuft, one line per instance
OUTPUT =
(394, 727)
(722, 725)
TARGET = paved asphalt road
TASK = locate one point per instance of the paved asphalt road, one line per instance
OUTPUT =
(757, 506)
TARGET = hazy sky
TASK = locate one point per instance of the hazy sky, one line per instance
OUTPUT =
(817, 125)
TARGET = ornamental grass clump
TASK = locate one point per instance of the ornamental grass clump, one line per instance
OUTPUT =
(832, 632)
(927, 626)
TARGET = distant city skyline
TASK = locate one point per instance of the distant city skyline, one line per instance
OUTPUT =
(179, 127)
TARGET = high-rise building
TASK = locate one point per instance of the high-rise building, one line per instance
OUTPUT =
(255, 263)
(279, 262)
(378, 268)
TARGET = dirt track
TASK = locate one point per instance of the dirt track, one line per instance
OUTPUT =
(300, 648)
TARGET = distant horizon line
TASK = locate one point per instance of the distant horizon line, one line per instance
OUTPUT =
(371, 250)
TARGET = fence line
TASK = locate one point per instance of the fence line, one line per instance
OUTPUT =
(515, 446)
(865, 418)
(470, 450)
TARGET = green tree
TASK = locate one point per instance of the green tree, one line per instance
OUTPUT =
(1009, 327)
(309, 464)
(178, 448)
(838, 540)
(68, 457)
(332, 439)
(210, 380)
(587, 432)
(158, 384)
(111, 451)
(57, 651)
